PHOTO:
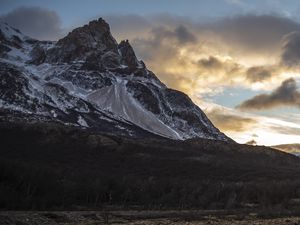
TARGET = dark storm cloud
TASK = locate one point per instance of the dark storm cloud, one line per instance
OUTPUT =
(180, 34)
(162, 42)
(259, 32)
(214, 64)
(252, 74)
(35, 22)
(230, 122)
(291, 49)
(159, 26)
(262, 33)
(245, 35)
(285, 95)
(184, 35)
(258, 73)
(211, 63)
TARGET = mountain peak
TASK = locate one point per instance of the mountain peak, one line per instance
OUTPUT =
(95, 29)
(99, 24)
(93, 38)
(89, 80)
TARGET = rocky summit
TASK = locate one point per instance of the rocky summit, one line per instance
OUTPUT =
(87, 79)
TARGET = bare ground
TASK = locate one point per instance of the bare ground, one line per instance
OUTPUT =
(138, 218)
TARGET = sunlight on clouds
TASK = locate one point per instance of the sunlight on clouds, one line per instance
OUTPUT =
(202, 74)
(268, 138)
(258, 86)
(244, 127)
(265, 132)
(207, 60)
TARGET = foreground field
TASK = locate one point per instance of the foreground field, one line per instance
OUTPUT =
(139, 217)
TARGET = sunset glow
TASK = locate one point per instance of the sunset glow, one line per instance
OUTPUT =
(241, 56)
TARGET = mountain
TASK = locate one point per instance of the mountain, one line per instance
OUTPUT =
(290, 148)
(89, 80)
(85, 125)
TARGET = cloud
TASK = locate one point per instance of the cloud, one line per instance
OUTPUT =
(251, 34)
(180, 34)
(210, 63)
(291, 49)
(219, 71)
(184, 35)
(224, 66)
(286, 130)
(161, 48)
(128, 26)
(239, 50)
(36, 22)
(259, 73)
(252, 74)
(197, 56)
(230, 122)
(157, 45)
(254, 33)
(285, 95)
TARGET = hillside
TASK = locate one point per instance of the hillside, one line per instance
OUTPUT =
(52, 166)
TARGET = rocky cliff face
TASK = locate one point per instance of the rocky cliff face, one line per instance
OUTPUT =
(89, 80)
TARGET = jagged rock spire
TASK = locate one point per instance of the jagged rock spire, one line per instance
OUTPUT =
(128, 55)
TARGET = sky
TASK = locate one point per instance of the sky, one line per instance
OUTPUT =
(238, 60)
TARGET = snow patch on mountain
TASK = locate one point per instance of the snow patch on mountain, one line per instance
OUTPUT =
(118, 100)
(82, 122)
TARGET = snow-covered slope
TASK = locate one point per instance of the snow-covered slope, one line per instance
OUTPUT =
(89, 80)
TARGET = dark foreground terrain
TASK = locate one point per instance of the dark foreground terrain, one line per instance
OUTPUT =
(54, 167)
(142, 218)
